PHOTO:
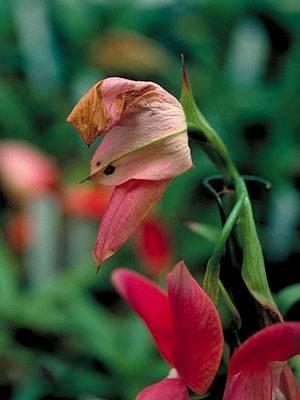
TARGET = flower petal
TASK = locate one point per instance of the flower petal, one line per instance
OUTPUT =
(198, 337)
(288, 384)
(167, 389)
(278, 342)
(106, 103)
(134, 154)
(150, 303)
(249, 385)
(103, 105)
(127, 208)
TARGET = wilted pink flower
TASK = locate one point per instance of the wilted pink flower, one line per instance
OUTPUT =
(184, 324)
(153, 246)
(25, 172)
(258, 370)
(144, 147)
(86, 202)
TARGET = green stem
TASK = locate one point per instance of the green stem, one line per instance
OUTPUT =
(253, 268)
(212, 273)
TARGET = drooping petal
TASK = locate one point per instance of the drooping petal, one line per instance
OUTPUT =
(278, 342)
(249, 385)
(150, 303)
(106, 103)
(167, 389)
(198, 337)
(288, 384)
(127, 208)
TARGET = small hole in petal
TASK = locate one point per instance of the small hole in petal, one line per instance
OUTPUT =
(110, 169)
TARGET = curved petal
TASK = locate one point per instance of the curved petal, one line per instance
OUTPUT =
(150, 303)
(107, 103)
(134, 155)
(249, 385)
(167, 389)
(127, 208)
(103, 105)
(288, 384)
(278, 342)
(198, 337)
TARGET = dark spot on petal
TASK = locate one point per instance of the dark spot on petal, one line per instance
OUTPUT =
(98, 163)
(110, 169)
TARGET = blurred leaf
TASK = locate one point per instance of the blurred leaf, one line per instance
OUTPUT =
(127, 52)
(8, 273)
(14, 118)
(42, 255)
(37, 44)
(287, 297)
(208, 232)
(248, 52)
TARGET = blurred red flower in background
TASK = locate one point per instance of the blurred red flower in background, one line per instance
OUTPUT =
(86, 202)
(26, 172)
(152, 244)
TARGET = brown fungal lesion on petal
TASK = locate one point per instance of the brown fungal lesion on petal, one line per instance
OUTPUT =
(89, 116)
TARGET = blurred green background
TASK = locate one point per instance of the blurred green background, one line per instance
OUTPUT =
(64, 334)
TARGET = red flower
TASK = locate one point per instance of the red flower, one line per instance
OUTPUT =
(184, 324)
(258, 370)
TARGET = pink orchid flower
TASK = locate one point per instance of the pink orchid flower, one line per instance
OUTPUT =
(185, 326)
(144, 147)
(258, 370)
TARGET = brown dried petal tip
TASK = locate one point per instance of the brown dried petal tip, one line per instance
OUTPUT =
(89, 117)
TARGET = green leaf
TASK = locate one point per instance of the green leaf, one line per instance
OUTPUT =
(253, 268)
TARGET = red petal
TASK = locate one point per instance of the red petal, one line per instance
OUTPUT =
(153, 247)
(150, 303)
(128, 206)
(278, 342)
(288, 384)
(168, 389)
(198, 337)
(247, 385)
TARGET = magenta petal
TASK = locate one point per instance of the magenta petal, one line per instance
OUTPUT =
(128, 206)
(150, 303)
(249, 385)
(167, 389)
(198, 337)
(278, 342)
